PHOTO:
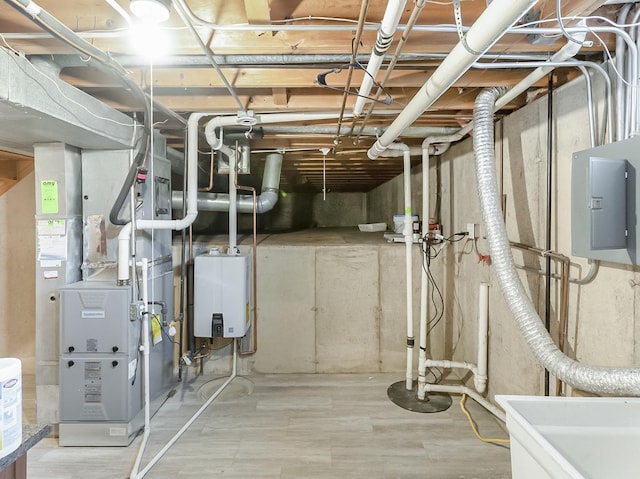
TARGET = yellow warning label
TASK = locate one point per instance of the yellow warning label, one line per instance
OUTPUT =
(156, 328)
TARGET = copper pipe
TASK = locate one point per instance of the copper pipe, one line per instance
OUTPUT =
(210, 187)
(563, 313)
(363, 14)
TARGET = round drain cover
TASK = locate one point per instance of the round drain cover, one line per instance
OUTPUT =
(408, 398)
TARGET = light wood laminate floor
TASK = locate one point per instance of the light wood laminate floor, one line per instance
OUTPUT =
(294, 426)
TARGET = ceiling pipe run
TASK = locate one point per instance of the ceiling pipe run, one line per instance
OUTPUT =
(389, 25)
(567, 52)
(411, 132)
(415, 13)
(498, 17)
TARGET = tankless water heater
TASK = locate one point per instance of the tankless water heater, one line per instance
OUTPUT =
(222, 295)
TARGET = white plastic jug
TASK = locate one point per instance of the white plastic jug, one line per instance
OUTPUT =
(10, 405)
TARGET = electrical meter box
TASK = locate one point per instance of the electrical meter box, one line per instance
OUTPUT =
(222, 295)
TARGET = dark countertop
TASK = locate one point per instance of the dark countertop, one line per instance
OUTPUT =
(31, 435)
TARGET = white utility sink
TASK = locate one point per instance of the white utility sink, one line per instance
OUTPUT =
(577, 438)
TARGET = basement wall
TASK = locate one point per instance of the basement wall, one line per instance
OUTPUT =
(17, 274)
(604, 326)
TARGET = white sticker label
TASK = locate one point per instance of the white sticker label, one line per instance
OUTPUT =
(50, 274)
(51, 264)
(117, 431)
(132, 368)
(89, 314)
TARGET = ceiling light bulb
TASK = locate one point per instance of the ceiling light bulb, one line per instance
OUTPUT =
(155, 11)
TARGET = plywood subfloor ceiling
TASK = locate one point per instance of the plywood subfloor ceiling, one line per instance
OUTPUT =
(276, 70)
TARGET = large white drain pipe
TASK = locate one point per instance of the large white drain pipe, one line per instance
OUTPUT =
(498, 17)
(388, 27)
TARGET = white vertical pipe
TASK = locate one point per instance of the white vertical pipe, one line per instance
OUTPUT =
(480, 379)
(145, 365)
(233, 205)
(488, 28)
(192, 202)
(424, 280)
(408, 241)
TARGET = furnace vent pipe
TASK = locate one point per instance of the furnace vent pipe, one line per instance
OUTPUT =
(390, 22)
(124, 237)
(497, 18)
(264, 202)
(244, 118)
(617, 381)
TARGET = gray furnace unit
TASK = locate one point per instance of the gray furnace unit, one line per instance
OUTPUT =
(101, 366)
(100, 369)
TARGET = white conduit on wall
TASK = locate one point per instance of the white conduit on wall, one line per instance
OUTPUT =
(595, 379)
(498, 17)
(390, 22)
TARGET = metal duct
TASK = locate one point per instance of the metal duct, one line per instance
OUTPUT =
(595, 379)
(264, 202)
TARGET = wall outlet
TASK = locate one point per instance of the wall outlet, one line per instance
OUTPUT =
(473, 230)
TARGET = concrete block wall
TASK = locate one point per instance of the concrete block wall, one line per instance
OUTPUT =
(333, 308)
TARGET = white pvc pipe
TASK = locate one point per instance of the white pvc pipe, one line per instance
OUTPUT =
(447, 364)
(145, 366)
(192, 174)
(193, 418)
(233, 205)
(407, 231)
(567, 52)
(373, 67)
(497, 18)
(123, 13)
(459, 389)
(480, 378)
(192, 202)
(427, 148)
(388, 27)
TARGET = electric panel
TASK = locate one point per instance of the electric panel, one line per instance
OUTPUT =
(604, 202)
(222, 295)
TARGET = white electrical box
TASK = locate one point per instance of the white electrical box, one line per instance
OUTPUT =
(222, 295)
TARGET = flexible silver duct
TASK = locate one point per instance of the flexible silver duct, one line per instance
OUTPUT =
(595, 379)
